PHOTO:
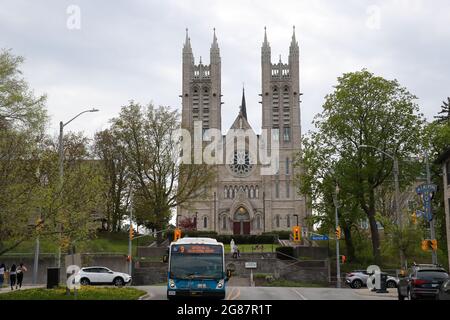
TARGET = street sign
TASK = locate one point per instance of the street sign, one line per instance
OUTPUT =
(426, 192)
(319, 237)
(426, 188)
(251, 265)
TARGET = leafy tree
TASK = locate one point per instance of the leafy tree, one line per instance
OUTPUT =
(22, 122)
(19, 108)
(444, 115)
(151, 148)
(363, 110)
(114, 172)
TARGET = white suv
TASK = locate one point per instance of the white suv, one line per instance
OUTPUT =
(102, 275)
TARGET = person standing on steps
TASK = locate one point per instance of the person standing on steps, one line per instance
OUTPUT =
(12, 276)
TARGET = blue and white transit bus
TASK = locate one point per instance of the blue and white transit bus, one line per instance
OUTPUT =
(196, 269)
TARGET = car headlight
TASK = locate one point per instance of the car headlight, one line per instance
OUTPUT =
(220, 284)
(172, 284)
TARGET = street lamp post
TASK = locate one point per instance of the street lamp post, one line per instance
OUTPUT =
(338, 264)
(397, 194)
(61, 166)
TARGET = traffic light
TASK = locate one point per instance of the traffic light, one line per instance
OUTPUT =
(343, 259)
(131, 233)
(296, 233)
(39, 225)
(414, 218)
(338, 233)
(434, 245)
(425, 245)
(177, 234)
(428, 245)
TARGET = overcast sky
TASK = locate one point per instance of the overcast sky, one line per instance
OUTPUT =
(131, 50)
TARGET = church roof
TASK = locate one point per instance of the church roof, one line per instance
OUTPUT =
(241, 121)
(243, 106)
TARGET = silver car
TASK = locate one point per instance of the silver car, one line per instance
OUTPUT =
(358, 279)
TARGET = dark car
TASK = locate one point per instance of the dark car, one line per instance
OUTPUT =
(423, 281)
(444, 291)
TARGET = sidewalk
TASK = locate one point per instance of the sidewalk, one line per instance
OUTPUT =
(8, 288)
(366, 292)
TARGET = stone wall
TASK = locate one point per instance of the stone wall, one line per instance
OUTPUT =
(304, 271)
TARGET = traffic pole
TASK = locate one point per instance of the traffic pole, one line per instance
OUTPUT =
(338, 265)
(432, 229)
(130, 263)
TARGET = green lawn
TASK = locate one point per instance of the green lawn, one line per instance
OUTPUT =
(103, 242)
(85, 293)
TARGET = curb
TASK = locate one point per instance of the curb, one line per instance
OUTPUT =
(144, 297)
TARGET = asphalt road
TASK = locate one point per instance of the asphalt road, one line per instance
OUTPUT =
(270, 293)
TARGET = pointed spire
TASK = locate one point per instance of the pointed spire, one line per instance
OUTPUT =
(265, 43)
(215, 44)
(243, 105)
(294, 43)
(200, 60)
(280, 60)
(187, 42)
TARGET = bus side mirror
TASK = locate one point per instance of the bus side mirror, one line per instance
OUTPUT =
(229, 274)
(165, 258)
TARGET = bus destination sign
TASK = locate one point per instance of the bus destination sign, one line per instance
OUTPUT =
(197, 249)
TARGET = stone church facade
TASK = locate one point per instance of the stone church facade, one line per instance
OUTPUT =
(242, 200)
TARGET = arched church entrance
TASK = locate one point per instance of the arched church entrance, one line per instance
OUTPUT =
(241, 222)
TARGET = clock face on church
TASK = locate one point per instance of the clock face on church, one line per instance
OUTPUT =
(241, 164)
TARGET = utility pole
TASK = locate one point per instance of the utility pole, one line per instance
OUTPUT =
(61, 172)
(130, 263)
(432, 229)
(61, 177)
(338, 264)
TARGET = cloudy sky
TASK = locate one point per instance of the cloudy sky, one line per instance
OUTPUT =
(102, 54)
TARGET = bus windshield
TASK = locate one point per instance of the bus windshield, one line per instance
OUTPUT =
(196, 262)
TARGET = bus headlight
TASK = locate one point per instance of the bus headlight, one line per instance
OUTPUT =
(172, 284)
(220, 284)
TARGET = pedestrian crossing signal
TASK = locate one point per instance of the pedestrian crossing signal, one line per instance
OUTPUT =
(296, 233)
(177, 234)
(338, 233)
(343, 259)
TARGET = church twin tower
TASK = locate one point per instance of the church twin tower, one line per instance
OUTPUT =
(246, 202)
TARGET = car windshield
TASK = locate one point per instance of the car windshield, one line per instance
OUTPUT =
(432, 274)
(192, 264)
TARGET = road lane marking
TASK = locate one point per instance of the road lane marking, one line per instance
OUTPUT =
(299, 294)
